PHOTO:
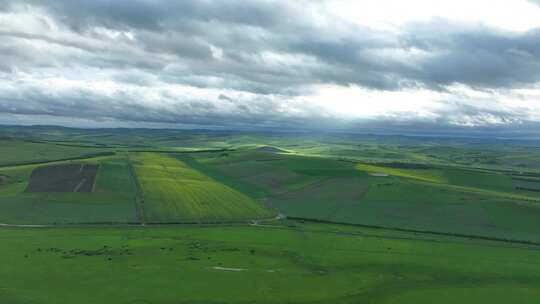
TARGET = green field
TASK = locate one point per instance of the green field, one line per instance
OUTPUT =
(440, 198)
(112, 201)
(203, 217)
(260, 265)
(174, 192)
(14, 152)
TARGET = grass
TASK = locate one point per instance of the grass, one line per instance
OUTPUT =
(322, 200)
(114, 176)
(309, 264)
(427, 175)
(65, 208)
(283, 174)
(112, 202)
(468, 187)
(198, 163)
(531, 185)
(430, 208)
(399, 204)
(20, 152)
(174, 192)
(440, 198)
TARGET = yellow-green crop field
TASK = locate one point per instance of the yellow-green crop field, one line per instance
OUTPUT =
(174, 192)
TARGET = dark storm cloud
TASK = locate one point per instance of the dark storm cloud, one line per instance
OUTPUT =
(476, 57)
(245, 29)
(460, 110)
(124, 107)
(267, 50)
(161, 14)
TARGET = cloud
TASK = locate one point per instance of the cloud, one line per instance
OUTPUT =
(480, 57)
(260, 64)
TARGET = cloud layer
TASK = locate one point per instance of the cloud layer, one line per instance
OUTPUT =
(269, 64)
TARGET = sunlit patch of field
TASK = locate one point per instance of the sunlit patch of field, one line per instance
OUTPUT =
(174, 192)
(427, 175)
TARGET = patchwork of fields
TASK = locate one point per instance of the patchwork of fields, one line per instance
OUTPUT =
(106, 191)
(446, 199)
(370, 223)
(69, 196)
(260, 182)
(139, 188)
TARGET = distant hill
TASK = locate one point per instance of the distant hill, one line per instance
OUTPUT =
(270, 149)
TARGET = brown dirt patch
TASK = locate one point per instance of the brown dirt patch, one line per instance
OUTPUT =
(63, 178)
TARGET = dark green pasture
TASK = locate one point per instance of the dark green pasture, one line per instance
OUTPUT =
(307, 264)
(438, 198)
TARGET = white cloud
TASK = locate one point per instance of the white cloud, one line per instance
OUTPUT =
(314, 64)
(514, 15)
(485, 107)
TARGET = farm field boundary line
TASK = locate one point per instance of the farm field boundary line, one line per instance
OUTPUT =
(412, 237)
(512, 172)
(469, 236)
(481, 191)
(67, 143)
(466, 189)
(23, 226)
(138, 224)
(497, 243)
(182, 152)
(86, 156)
(139, 198)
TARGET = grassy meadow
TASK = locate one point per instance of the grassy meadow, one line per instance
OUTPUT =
(24, 152)
(307, 264)
(439, 198)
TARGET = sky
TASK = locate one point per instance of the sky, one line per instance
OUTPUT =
(416, 66)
